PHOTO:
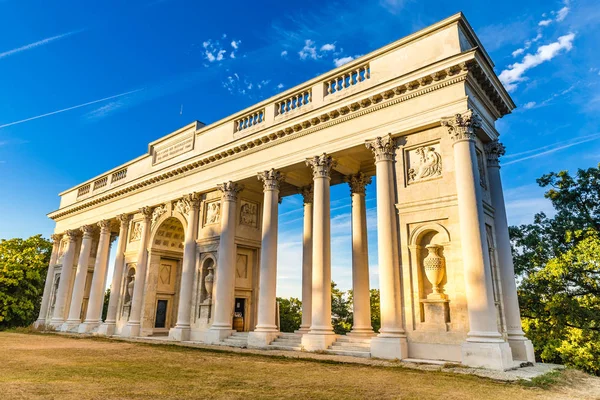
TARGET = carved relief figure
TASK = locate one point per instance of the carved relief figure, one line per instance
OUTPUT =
(213, 212)
(482, 180)
(158, 211)
(429, 165)
(136, 232)
(249, 214)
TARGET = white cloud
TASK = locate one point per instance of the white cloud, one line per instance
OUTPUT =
(393, 6)
(545, 22)
(209, 56)
(235, 44)
(562, 14)
(284, 53)
(328, 47)
(341, 61)
(549, 149)
(529, 105)
(308, 51)
(518, 52)
(36, 44)
(280, 86)
(215, 51)
(511, 76)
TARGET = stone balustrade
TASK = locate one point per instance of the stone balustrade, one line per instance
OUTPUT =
(293, 102)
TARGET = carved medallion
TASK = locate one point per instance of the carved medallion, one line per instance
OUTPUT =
(249, 214)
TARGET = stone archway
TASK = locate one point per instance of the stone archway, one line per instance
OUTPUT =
(164, 277)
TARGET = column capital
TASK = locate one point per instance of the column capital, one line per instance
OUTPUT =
(124, 219)
(104, 226)
(307, 194)
(321, 165)
(230, 190)
(146, 212)
(185, 204)
(462, 126)
(358, 183)
(72, 234)
(56, 238)
(382, 147)
(87, 230)
(271, 179)
(494, 150)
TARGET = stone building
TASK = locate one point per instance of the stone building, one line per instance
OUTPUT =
(196, 230)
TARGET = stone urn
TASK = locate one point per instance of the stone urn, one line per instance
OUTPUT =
(208, 285)
(435, 266)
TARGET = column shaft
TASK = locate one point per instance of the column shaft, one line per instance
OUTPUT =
(74, 318)
(191, 204)
(93, 317)
(108, 328)
(307, 239)
(321, 334)
(522, 348)
(66, 272)
(224, 286)
(133, 326)
(360, 257)
(43, 315)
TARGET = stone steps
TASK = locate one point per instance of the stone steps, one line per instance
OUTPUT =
(351, 346)
(237, 339)
(362, 354)
(287, 341)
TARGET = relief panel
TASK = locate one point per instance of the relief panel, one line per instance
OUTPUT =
(423, 163)
(249, 214)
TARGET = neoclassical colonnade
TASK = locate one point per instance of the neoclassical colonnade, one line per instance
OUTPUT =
(484, 339)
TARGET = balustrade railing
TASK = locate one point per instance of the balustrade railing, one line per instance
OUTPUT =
(116, 176)
(347, 79)
(85, 189)
(250, 120)
(293, 102)
(100, 182)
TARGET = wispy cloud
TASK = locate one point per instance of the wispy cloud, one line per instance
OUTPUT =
(37, 44)
(514, 74)
(549, 149)
(69, 108)
(215, 51)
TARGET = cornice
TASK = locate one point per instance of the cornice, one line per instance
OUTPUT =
(412, 88)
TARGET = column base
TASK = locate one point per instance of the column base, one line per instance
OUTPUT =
(107, 329)
(88, 326)
(56, 323)
(318, 341)
(213, 336)
(522, 349)
(70, 326)
(302, 330)
(362, 332)
(259, 340)
(40, 323)
(131, 330)
(389, 347)
(490, 355)
(180, 333)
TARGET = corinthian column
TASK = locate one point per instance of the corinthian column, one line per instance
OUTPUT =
(307, 195)
(485, 346)
(74, 318)
(522, 348)
(391, 341)
(93, 317)
(133, 326)
(224, 286)
(42, 318)
(266, 329)
(321, 334)
(360, 257)
(109, 325)
(189, 206)
(66, 271)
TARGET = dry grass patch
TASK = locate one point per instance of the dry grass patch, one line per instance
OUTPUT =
(51, 366)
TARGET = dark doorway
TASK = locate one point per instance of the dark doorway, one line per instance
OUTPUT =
(161, 313)
(239, 314)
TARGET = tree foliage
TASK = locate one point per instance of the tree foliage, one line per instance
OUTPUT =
(557, 260)
(105, 304)
(290, 314)
(23, 267)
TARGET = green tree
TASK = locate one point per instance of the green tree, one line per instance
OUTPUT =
(105, 304)
(375, 310)
(290, 314)
(23, 267)
(557, 261)
(341, 310)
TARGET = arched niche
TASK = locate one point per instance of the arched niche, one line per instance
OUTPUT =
(419, 239)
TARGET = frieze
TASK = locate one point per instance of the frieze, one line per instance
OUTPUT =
(249, 214)
(423, 163)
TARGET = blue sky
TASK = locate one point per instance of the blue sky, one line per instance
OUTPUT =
(84, 86)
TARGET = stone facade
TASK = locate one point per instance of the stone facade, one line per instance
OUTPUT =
(197, 216)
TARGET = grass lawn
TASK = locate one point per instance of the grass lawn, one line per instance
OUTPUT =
(51, 366)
